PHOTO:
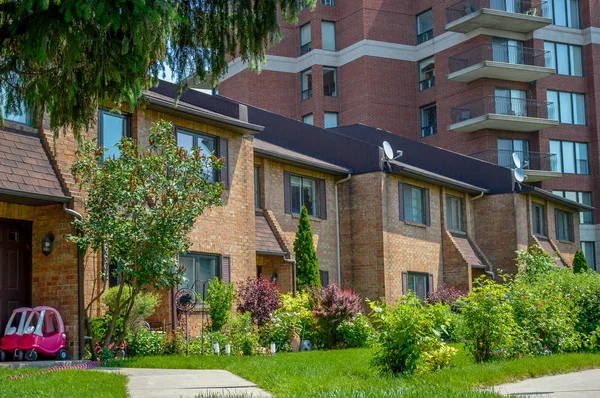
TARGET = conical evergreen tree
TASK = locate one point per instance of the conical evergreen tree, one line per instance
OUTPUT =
(580, 262)
(307, 263)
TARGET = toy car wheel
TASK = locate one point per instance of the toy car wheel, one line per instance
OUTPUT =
(62, 355)
(31, 355)
(2, 356)
(19, 355)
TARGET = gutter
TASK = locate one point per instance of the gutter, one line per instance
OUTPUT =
(337, 229)
(80, 289)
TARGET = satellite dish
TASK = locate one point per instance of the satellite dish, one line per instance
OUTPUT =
(516, 160)
(388, 151)
(519, 175)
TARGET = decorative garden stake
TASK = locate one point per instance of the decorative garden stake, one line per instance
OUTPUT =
(216, 348)
(228, 349)
(185, 301)
(273, 349)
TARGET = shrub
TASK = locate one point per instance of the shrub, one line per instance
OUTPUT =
(446, 294)
(489, 323)
(534, 263)
(407, 341)
(242, 334)
(101, 324)
(219, 299)
(580, 262)
(294, 317)
(307, 263)
(357, 332)
(332, 306)
(144, 306)
(442, 318)
(259, 297)
(146, 343)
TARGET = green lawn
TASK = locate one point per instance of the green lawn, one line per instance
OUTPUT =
(65, 383)
(346, 373)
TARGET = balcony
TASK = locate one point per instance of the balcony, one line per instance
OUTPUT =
(523, 16)
(502, 113)
(537, 166)
(500, 61)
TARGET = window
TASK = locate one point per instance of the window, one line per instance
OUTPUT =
(428, 120)
(304, 192)
(506, 5)
(305, 39)
(566, 107)
(509, 51)
(571, 157)
(301, 5)
(418, 284)
(188, 140)
(306, 84)
(331, 120)
(585, 217)
(198, 269)
(454, 213)
(507, 147)
(111, 128)
(426, 73)
(329, 3)
(328, 35)
(565, 58)
(330, 81)
(511, 102)
(564, 225)
(414, 204)
(589, 251)
(257, 187)
(23, 115)
(424, 26)
(324, 276)
(308, 119)
(563, 12)
(538, 219)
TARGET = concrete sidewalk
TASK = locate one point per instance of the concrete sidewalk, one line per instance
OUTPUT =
(584, 384)
(160, 383)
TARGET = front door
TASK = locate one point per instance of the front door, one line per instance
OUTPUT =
(15, 268)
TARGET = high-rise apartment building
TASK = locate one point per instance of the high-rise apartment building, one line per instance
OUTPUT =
(486, 78)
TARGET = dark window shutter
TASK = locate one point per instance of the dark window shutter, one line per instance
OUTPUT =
(324, 278)
(571, 228)
(556, 216)
(401, 200)
(404, 282)
(430, 287)
(224, 153)
(322, 200)
(427, 207)
(226, 268)
(287, 186)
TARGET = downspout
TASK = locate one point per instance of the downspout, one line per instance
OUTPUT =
(490, 273)
(478, 196)
(337, 229)
(80, 289)
(293, 262)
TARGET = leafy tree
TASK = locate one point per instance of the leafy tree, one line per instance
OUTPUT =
(307, 262)
(580, 264)
(219, 298)
(66, 56)
(141, 207)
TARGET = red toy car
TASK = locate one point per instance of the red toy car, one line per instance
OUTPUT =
(9, 344)
(44, 334)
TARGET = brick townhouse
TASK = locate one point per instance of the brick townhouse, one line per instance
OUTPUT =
(484, 78)
(381, 228)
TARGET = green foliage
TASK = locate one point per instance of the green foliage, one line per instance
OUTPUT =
(219, 298)
(407, 338)
(141, 207)
(307, 263)
(356, 333)
(293, 318)
(143, 308)
(101, 324)
(242, 334)
(580, 262)
(69, 57)
(534, 263)
(489, 323)
(147, 343)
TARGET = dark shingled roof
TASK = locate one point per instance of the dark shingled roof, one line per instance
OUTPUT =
(26, 174)
(266, 242)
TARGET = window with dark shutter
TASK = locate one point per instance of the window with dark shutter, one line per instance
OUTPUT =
(324, 275)
(404, 282)
(226, 268)
(323, 200)
(224, 154)
(401, 200)
(427, 207)
(287, 197)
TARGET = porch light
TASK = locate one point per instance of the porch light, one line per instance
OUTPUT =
(274, 277)
(47, 243)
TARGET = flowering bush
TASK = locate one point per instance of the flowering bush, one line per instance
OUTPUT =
(293, 318)
(259, 297)
(446, 294)
(356, 333)
(242, 334)
(407, 340)
(331, 306)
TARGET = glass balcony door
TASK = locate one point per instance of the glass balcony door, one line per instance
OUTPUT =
(507, 147)
(511, 102)
(509, 51)
(506, 5)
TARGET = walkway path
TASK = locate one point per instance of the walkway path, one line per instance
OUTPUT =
(584, 384)
(162, 383)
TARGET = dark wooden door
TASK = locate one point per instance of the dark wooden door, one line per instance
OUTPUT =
(15, 268)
